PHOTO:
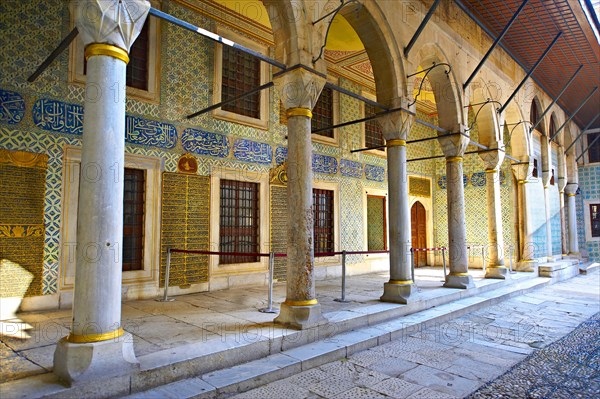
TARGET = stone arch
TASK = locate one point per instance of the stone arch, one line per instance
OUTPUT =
(284, 16)
(553, 127)
(536, 106)
(372, 28)
(518, 128)
(446, 90)
(488, 120)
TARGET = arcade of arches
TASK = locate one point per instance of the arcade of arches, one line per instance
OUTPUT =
(271, 171)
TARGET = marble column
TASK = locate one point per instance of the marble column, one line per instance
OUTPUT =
(401, 285)
(571, 191)
(546, 176)
(562, 183)
(453, 148)
(495, 268)
(97, 345)
(299, 90)
(526, 261)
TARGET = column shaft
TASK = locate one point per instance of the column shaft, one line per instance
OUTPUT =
(527, 262)
(548, 223)
(457, 230)
(563, 224)
(572, 215)
(495, 253)
(97, 295)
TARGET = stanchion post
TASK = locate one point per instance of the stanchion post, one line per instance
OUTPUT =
(343, 298)
(483, 257)
(412, 264)
(444, 260)
(165, 297)
(270, 308)
(510, 255)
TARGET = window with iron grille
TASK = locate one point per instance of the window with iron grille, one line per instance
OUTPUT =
(373, 130)
(133, 219)
(595, 219)
(240, 74)
(594, 151)
(239, 221)
(323, 221)
(323, 113)
(139, 56)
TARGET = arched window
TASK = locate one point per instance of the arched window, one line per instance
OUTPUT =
(552, 126)
(534, 114)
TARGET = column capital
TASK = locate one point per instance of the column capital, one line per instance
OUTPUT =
(299, 88)
(397, 125)
(571, 189)
(493, 158)
(454, 144)
(117, 23)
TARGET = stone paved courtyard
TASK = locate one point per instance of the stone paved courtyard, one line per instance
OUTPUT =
(455, 358)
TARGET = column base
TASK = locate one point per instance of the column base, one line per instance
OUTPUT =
(397, 293)
(75, 363)
(497, 272)
(459, 280)
(300, 317)
(527, 266)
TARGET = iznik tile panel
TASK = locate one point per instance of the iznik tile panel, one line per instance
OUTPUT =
(376, 173)
(205, 143)
(150, 133)
(252, 151)
(324, 164)
(281, 155)
(351, 168)
(12, 107)
(58, 117)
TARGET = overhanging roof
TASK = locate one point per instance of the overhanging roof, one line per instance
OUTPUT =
(534, 29)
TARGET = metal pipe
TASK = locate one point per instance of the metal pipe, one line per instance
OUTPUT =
(213, 36)
(343, 298)
(588, 147)
(574, 113)
(269, 308)
(165, 297)
(61, 47)
(428, 16)
(541, 118)
(231, 100)
(498, 39)
(538, 62)
(582, 132)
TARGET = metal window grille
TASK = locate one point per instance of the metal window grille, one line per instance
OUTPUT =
(133, 219)
(323, 113)
(594, 151)
(139, 57)
(595, 219)
(240, 74)
(373, 130)
(323, 220)
(239, 221)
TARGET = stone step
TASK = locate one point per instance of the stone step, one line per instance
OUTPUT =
(243, 377)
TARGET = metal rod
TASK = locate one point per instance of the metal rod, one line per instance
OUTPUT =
(574, 113)
(588, 147)
(231, 100)
(165, 297)
(444, 261)
(420, 28)
(213, 36)
(343, 298)
(582, 132)
(541, 118)
(61, 47)
(533, 68)
(269, 308)
(412, 265)
(368, 148)
(498, 39)
(357, 96)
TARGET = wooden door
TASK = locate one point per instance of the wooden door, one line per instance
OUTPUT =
(419, 232)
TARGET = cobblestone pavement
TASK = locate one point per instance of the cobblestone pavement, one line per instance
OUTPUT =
(455, 358)
(569, 368)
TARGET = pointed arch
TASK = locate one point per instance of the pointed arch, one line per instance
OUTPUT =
(535, 113)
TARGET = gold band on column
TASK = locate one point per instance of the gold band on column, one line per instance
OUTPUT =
(308, 302)
(458, 274)
(497, 267)
(491, 170)
(571, 195)
(454, 159)
(299, 112)
(89, 338)
(395, 143)
(106, 49)
(400, 282)
(523, 181)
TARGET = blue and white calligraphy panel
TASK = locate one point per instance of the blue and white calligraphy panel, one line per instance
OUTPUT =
(375, 173)
(151, 133)
(12, 107)
(324, 164)
(281, 155)
(351, 168)
(58, 117)
(252, 151)
(205, 143)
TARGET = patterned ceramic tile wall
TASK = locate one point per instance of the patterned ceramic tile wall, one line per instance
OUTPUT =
(589, 182)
